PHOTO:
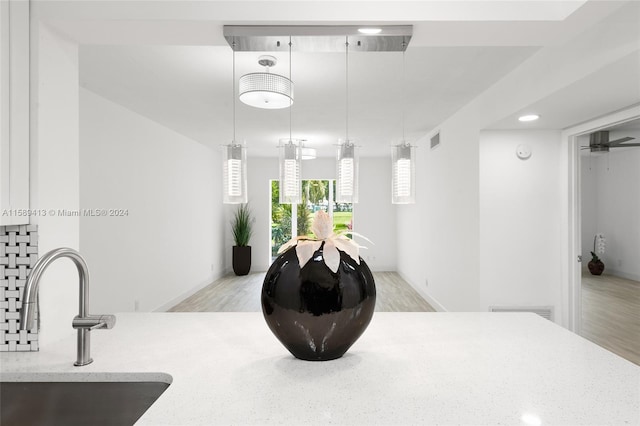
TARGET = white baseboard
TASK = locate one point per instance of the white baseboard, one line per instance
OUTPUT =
(621, 274)
(425, 295)
(378, 268)
(173, 302)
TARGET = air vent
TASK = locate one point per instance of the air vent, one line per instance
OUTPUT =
(435, 140)
(545, 312)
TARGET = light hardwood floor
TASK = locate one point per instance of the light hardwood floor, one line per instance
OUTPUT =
(611, 314)
(242, 294)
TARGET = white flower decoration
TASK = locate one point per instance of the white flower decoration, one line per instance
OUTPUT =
(599, 244)
(323, 229)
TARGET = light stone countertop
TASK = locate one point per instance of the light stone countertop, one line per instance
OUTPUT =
(407, 368)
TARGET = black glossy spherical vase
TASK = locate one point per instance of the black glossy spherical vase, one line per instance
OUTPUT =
(318, 314)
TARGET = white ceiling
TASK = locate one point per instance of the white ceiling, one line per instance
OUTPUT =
(611, 88)
(168, 61)
(188, 88)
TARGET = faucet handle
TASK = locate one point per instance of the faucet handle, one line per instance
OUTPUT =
(94, 322)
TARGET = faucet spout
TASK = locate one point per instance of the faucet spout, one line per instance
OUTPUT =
(83, 321)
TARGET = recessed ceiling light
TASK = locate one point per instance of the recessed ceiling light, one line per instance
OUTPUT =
(370, 30)
(530, 117)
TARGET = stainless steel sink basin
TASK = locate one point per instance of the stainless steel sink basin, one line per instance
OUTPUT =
(76, 403)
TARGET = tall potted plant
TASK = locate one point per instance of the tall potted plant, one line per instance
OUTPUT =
(596, 266)
(241, 227)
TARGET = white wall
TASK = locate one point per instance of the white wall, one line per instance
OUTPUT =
(588, 200)
(374, 215)
(54, 173)
(171, 242)
(611, 205)
(445, 249)
(370, 214)
(439, 234)
(520, 239)
(259, 172)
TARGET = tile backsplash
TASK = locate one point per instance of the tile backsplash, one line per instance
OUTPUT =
(18, 254)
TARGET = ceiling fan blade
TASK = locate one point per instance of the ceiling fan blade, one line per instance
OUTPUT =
(617, 141)
(623, 145)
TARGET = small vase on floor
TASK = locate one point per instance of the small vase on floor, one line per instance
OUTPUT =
(596, 267)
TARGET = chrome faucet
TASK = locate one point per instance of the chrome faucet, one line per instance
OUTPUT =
(83, 322)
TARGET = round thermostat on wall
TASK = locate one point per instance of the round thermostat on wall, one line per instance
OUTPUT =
(523, 152)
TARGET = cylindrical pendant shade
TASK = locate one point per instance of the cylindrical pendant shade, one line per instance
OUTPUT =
(234, 169)
(290, 173)
(347, 173)
(403, 174)
(266, 90)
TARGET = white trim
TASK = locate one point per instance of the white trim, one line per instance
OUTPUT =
(294, 219)
(14, 109)
(622, 274)
(268, 224)
(425, 295)
(538, 310)
(571, 315)
(615, 118)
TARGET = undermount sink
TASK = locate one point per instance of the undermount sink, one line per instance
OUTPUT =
(71, 403)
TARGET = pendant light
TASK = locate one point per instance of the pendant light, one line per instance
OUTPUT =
(234, 159)
(347, 155)
(266, 90)
(290, 163)
(403, 158)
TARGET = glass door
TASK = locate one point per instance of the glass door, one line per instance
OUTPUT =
(289, 221)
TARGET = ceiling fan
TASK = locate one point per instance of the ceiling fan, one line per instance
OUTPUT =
(599, 142)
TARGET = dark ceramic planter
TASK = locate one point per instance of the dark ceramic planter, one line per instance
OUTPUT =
(596, 268)
(315, 313)
(241, 260)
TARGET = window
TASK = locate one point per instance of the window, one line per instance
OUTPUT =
(288, 221)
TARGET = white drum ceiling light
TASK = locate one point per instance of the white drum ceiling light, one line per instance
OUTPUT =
(266, 90)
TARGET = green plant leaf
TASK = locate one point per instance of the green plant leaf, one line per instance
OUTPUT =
(241, 225)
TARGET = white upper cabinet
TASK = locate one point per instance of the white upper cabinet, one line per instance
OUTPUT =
(14, 112)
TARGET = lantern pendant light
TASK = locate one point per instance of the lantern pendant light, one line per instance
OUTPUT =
(403, 157)
(347, 154)
(234, 159)
(290, 162)
(290, 170)
(403, 173)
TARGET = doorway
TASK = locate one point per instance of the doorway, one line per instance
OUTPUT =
(292, 220)
(604, 211)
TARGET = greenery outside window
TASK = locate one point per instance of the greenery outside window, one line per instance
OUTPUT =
(289, 221)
